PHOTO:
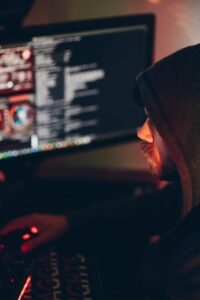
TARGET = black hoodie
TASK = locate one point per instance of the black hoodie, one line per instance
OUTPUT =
(170, 90)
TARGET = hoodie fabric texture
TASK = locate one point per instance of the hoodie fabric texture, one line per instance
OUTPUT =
(122, 230)
(170, 269)
(170, 91)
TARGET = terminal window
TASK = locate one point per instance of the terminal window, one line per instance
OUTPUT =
(64, 90)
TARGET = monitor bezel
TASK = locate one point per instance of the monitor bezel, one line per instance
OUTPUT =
(25, 34)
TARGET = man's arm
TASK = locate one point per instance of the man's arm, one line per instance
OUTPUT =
(184, 275)
(128, 218)
(153, 213)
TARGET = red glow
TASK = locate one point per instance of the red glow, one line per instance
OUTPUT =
(28, 280)
(18, 98)
(2, 176)
(34, 229)
(154, 1)
(26, 236)
(24, 248)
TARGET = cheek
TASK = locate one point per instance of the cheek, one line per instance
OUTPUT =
(160, 146)
(160, 151)
(162, 156)
(158, 156)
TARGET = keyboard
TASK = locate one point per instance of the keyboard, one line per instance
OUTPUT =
(59, 271)
(64, 276)
(15, 267)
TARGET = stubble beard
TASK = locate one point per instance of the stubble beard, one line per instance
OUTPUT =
(162, 169)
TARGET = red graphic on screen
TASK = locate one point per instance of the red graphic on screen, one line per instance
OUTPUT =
(16, 69)
(17, 117)
(2, 118)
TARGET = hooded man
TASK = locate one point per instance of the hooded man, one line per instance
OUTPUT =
(170, 93)
(170, 269)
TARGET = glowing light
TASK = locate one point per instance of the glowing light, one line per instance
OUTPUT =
(28, 280)
(34, 141)
(154, 1)
(34, 229)
(26, 54)
(2, 176)
(26, 236)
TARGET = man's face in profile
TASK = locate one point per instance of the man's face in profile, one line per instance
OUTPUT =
(155, 150)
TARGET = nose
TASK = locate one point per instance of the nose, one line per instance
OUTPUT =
(144, 133)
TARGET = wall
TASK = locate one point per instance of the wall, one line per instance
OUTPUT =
(177, 26)
(177, 20)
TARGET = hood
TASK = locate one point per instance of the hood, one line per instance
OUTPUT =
(170, 90)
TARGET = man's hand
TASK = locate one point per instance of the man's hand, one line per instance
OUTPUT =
(50, 227)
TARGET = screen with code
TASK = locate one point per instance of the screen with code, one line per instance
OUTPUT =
(70, 85)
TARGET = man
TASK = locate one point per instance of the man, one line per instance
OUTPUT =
(170, 269)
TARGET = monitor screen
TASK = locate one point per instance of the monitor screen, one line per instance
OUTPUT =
(66, 86)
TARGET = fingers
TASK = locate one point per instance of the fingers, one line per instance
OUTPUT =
(34, 243)
(17, 224)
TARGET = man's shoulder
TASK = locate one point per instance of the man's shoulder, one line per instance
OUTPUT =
(184, 272)
(184, 268)
(172, 266)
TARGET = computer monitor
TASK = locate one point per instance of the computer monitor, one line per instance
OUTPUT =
(70, 86)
